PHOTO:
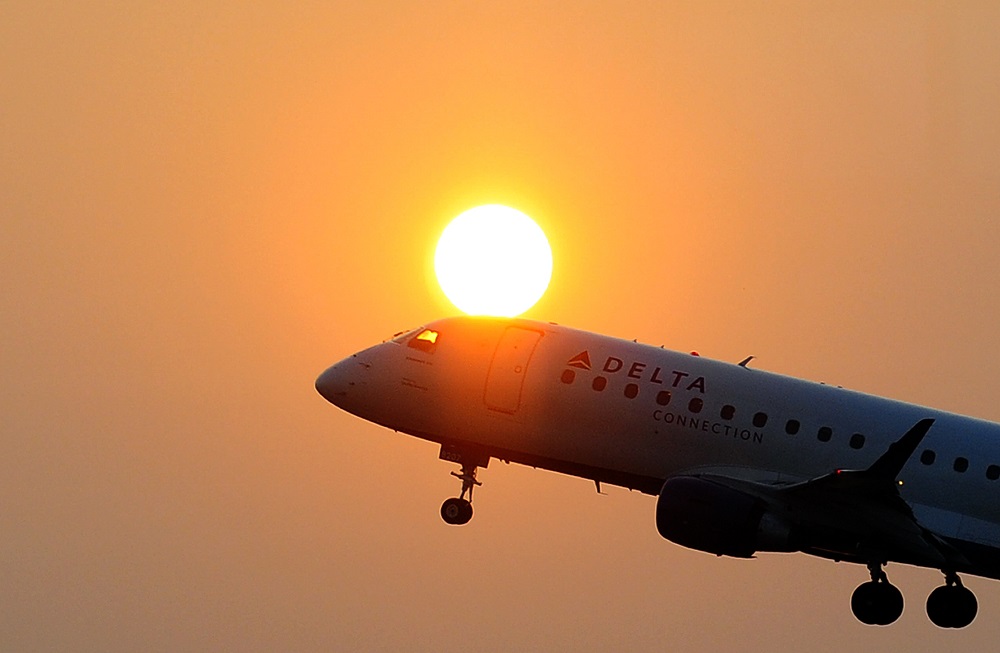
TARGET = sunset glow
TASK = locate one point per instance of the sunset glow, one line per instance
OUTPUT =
(206, 203)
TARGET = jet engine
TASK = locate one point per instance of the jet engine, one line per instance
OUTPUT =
(702, 514)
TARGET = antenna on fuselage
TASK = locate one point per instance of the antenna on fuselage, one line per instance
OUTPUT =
(745, 361)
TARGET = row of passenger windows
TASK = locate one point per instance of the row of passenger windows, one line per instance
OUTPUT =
(960, 465)
(792, 426)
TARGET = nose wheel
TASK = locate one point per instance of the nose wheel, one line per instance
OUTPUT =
(458, 510)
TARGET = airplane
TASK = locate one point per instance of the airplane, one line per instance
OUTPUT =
(742, 461)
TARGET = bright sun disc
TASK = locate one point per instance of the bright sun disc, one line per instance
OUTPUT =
(493, 260)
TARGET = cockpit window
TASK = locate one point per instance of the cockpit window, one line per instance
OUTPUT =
(426, 340)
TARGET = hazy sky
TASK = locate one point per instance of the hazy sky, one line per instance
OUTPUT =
(202, 205)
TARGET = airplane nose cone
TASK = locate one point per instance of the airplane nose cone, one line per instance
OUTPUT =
(332, 384)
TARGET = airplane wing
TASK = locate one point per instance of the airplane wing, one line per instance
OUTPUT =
(857, 515)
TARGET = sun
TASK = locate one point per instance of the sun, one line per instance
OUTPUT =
(493, 260)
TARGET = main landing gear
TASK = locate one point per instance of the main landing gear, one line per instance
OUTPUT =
(879, 603)
(952, 605)
(458, 510)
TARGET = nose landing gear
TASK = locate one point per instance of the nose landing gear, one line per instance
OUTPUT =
(877, 602)
(458, 510)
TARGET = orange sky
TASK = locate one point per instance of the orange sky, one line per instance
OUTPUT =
(202, 205)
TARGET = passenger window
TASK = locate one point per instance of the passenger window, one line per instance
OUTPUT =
(792, 426)
(663, 397)
(426, 341)
(568, 376)
(727, 412)
(825, 434)
(631, 391)
(857, 441)
(759, 420)
(599, 383)
(961, 464)
(928, 457)
(696, 404)
(993, 472)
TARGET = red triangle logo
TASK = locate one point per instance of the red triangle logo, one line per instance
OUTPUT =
(581, 361)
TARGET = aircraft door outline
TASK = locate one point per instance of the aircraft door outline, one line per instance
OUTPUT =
(505, 380)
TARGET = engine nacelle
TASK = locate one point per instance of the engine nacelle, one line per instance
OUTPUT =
(704, 515)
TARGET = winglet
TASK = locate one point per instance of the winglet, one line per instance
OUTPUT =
(888, 466)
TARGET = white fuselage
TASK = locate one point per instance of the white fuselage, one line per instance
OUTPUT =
(634, 415)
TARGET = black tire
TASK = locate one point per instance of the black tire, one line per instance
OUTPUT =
(951, 606)
(877, 604)
(456, 511)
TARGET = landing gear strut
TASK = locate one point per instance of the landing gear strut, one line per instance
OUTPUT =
(458, 510)
(952, 605)
(877, 602)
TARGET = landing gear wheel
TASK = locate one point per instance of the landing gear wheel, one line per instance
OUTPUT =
(877, 603)
(952, 606)
(456, 511)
